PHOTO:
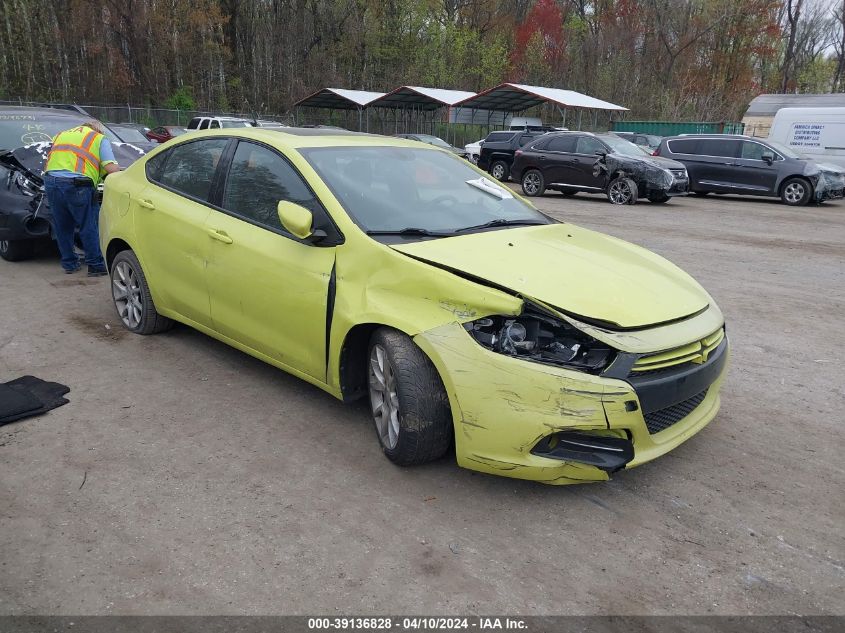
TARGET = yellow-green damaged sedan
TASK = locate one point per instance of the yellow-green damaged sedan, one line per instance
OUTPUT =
(391, 270)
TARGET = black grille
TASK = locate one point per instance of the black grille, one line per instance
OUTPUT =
(662, 419)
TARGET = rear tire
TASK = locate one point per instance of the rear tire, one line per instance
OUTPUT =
(622, 191)
(533, 183)
(409, 404)
(796, 192)
(132, 298)
(700, 193)
(500, 170)
(16, 250)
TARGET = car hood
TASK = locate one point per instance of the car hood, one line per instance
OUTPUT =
(33, 157)
(578, 271)
(656, 161)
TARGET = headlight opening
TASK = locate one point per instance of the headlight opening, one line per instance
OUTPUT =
(543, 339)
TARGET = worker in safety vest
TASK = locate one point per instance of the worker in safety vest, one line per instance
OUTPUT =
(79, 159)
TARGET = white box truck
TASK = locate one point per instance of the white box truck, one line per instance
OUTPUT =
(817, 133)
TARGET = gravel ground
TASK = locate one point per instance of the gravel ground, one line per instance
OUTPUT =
(185, 477)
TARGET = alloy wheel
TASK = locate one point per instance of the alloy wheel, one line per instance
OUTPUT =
(794, 192)
(126, 291)
(498, 172)
(4, 246)
(531, 183)
(384, 397)
(620, 192)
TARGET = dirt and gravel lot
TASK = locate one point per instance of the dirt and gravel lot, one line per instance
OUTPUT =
(216, 484)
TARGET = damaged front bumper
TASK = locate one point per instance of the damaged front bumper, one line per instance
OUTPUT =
(828, 184)
(540, 422)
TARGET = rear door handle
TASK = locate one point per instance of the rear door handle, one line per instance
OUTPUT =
(220, 236)
(147, 204)
(542, 158)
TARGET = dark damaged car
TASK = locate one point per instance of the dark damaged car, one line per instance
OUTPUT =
(572, 162)
(737, 164)
(25, 137)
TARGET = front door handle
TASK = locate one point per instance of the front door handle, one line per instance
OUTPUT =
(147, 204)
(220, 236)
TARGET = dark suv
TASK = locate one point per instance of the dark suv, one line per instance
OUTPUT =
(751, 166)
(498, 150)
(570, 162)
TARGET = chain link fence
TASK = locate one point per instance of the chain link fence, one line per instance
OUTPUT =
(145, 115)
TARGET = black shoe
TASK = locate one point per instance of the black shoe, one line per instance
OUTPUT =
(97, 271)
(70, 271)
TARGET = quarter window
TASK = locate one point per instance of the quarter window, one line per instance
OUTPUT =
(191, 166)
(684, 146)
(258, 179)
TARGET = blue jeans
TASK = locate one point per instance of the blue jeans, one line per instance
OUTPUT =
(74, 207)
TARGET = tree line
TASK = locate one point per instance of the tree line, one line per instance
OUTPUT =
(664, 59)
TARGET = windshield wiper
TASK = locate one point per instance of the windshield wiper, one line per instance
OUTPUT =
(501, 222)
(412, 231)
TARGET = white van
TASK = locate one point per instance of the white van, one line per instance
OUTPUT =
(817, 133)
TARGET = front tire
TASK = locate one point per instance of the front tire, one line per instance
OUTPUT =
(533, 183)
(658, 198)
(132, 298)
(409, 404)
(500, 170)
(796, 192)
(622, 191)
(16, 250)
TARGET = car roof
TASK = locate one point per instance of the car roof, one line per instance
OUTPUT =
(296, 138)
(717, 136)
(26, 110)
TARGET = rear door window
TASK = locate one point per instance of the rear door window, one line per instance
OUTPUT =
(190, 167)
(526, 138)
(562, 144)
(722, 148)
(204, 124)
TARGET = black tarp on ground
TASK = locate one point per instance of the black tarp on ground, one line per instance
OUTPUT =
(28, 396)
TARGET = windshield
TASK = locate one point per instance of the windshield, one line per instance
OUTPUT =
(786, 151)
(17, 130)
(130, 134)
(396, 188)
(433, 140)
(626, 148)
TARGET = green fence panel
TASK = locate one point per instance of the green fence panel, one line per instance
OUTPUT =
(673, 128)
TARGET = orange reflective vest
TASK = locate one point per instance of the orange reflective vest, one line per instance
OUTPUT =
(76, 150)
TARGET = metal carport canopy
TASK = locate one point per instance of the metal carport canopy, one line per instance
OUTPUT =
(339, 99)
(420, 98)
(509, 97)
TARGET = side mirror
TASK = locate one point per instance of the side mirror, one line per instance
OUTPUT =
(601, 152)
(295, 218)
(768, 158)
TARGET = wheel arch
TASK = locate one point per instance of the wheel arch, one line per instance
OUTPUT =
(786, 179)
(116, 245)
(352, 365)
